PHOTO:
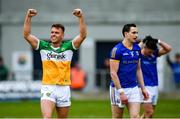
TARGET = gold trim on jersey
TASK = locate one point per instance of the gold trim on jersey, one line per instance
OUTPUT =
(114, 60)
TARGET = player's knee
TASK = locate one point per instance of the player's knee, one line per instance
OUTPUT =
(149, 113)
(134, 116)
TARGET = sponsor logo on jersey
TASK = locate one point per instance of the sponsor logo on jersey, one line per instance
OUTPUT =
(55, 56)
(125, 54)
(130, 62)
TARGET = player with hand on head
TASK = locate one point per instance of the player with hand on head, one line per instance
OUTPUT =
(56, 60)
(149, 55)
(125, 70)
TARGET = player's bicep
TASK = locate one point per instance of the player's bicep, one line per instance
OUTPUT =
(162, 52)
(33, 41)
(114, 65)
(77, 41)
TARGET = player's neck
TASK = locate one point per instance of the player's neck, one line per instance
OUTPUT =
(56, 45)
(127, 44)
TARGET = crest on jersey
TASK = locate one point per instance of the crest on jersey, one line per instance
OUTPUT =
(137, 53)
(132, 53)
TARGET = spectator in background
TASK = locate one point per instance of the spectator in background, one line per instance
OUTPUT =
(175, 66)
(106, 67)
(103, 77)
(78, 77)
(3, 70)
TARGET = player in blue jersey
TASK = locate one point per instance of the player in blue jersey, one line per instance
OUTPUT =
(124, 68)
(175, 66)
(149, 55)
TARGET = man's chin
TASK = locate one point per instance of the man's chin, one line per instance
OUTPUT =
(53, 41)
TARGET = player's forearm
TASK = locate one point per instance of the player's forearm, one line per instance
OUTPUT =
(115, 80)
(140, 78)
(166, 47)
(82, 27)
(27, 27)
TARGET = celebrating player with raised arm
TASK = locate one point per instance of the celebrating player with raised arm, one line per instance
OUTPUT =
(56, 60)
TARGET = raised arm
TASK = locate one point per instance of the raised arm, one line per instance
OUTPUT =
(82, 28)
(32, 40)
(165, 48)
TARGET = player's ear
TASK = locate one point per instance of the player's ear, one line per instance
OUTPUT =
(125, 34)
(62, 36)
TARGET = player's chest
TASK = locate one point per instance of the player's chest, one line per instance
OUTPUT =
(52, 55)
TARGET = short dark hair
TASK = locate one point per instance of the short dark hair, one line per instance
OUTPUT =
(59, 26)
(150, 42)
(127, 27)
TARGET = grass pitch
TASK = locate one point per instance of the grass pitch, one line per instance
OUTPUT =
(166, 108)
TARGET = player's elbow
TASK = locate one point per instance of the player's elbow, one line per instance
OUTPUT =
(169, 49)
(113, 75)
(25, 34)
(83, 35)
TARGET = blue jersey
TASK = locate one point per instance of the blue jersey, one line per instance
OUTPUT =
(149, 69)
(128, 64)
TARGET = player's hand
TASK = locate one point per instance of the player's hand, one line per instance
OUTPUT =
(77, 12)
(123, 98)
(145, 94)
(32, 12)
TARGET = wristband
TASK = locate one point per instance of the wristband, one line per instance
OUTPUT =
(159, 41)
(120, 90)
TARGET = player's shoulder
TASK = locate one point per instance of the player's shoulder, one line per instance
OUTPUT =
(66, 43)
(136, 46)
(118, 46)
(43, 44)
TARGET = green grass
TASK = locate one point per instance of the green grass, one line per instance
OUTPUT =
(87, 108)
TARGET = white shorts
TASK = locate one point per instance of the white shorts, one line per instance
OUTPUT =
(153, 95)
(60, 95)
(133, 95)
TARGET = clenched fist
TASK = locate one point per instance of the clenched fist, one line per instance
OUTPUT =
(77, 12)
(32, 12)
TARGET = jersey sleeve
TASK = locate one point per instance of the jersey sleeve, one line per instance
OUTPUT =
(42, 45)
(115, 54)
